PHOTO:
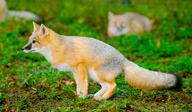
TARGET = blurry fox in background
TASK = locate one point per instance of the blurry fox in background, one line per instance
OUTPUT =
(103, 63)
(128, 23)
(6, 13)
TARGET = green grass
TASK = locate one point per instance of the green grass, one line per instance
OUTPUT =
(28, 83)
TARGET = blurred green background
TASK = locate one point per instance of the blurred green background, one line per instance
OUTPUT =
(28, 83)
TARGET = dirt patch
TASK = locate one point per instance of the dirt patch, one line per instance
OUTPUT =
(186, 99)
(128, 107)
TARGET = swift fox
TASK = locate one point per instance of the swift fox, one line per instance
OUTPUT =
(5, 12)
(127, 23)
(103, 63)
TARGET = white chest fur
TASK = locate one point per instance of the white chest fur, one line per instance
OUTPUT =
(46, 52)
(64, 67)
(116, 32)
(48, 55)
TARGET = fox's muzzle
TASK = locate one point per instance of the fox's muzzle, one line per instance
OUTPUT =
(120, 28)
(27, 47)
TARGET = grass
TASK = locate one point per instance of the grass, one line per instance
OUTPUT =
(28, 83)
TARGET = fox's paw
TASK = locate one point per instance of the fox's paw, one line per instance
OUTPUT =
(99, 97)
(90, 95)
(81, 94)
(95, 96)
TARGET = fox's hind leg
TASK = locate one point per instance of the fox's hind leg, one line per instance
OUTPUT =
(81, 79)
(107, 90)
(106, 80)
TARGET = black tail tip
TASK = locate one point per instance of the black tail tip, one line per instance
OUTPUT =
(178, 84)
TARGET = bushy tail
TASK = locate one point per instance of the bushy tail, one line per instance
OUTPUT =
(145, 79)
(24, 14)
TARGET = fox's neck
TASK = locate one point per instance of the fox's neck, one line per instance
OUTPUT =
(46, 52)
(52, 48)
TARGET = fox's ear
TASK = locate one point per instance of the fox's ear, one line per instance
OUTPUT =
(35, 26)
(110, 14)
(43, 30)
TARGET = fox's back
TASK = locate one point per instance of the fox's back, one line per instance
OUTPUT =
(136, 16)
(92, 49)
(141, 19)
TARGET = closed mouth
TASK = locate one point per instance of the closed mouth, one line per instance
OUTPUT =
(28, 50)
(32, 50)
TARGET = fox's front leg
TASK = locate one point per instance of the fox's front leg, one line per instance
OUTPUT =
(81, 79)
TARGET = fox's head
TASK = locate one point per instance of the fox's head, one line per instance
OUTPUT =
(118, 24)
(39, 39)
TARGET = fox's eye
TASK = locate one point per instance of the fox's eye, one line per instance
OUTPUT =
(33, 41)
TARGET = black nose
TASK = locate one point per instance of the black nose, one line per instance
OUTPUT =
(119, 28)
(28, 47)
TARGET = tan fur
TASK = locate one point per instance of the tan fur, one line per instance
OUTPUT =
(127, 23)
(83, 56)
(81, 78)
